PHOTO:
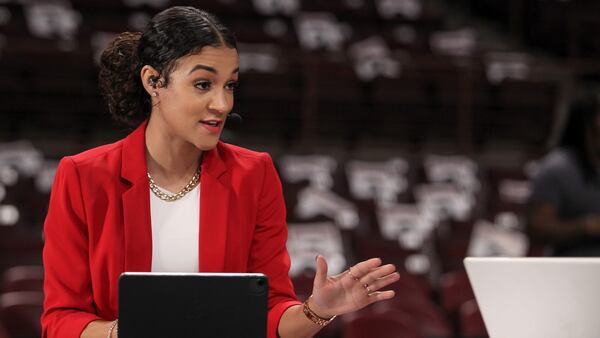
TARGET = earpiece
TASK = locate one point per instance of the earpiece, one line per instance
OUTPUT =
(155, 81)
(152, 81)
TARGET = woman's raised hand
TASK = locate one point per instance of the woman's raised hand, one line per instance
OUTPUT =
(353, 289)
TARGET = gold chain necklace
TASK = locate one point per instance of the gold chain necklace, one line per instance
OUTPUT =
(174, 197)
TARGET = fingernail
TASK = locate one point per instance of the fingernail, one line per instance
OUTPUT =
(316, 257)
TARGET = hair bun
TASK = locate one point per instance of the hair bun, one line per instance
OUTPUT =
(119, 79)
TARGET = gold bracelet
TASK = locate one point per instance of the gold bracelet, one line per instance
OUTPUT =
(313, 316)
(112, 327)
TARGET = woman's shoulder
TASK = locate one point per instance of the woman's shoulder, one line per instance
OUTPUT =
(559, 161)
(230, 152)
(560, 157)
(99, 158)
(98, 152)
(244, 161)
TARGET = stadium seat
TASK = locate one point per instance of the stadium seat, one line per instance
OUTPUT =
(430, 319)
(21, 311)
(23, 278)
(471, 322)
(3, 332)
(389, 324)
(455, 290)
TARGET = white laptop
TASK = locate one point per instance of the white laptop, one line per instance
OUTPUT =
(537, 297)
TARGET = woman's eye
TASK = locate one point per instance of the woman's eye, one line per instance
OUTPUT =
(232, 85)
(203, 85)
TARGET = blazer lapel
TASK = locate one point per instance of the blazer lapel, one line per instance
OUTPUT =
(214, 202)
(136, 203)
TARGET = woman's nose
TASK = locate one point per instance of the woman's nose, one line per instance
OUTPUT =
(219, 103)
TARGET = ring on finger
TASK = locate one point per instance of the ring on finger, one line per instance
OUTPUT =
(352, 275)
(367, 288)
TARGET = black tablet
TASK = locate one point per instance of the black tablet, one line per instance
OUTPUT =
(186, 305)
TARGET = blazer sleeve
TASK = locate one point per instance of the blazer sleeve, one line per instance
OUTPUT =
(268, 253)
(68, 299)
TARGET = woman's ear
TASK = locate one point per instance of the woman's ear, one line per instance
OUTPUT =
(151, 80)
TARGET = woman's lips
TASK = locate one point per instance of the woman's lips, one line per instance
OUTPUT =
(213, 126)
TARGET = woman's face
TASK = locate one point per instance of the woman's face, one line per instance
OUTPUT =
(199, 95)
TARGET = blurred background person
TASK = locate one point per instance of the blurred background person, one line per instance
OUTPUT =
(565, 198)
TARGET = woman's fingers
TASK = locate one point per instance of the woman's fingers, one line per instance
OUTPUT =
(359, 270)
(378, 273)
(371, 276)
(382, 282)
(381, 295)
(321, 273)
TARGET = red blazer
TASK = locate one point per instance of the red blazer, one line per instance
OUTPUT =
(98, 226)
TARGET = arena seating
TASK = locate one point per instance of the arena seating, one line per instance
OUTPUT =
(398, 129)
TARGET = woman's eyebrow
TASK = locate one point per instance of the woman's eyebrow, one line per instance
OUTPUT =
(200, 66)
(209, 69)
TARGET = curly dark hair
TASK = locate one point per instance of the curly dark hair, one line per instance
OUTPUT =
(171, 34)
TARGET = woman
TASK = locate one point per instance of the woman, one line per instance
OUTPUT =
(172, 197)
(564, 206)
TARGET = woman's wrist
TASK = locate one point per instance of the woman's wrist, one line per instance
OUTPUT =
(315, 313)
(113, 330)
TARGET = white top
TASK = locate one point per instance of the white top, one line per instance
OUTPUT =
(175, 232)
